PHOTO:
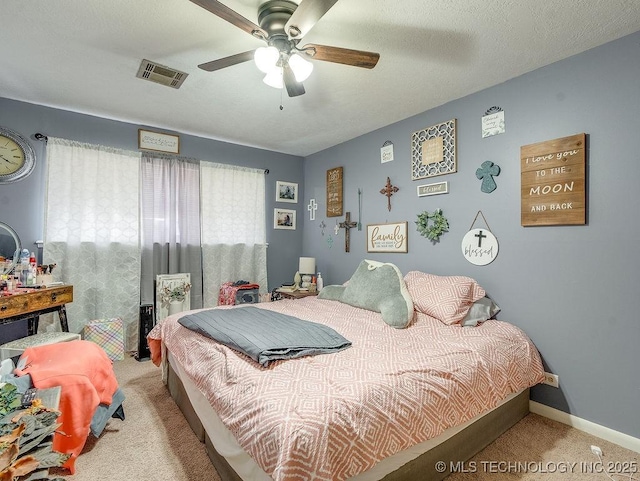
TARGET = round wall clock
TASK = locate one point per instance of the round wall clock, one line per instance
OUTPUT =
(17, 158)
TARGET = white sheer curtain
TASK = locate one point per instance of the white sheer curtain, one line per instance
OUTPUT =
(92, 231)
(233, 227)
(170, 210)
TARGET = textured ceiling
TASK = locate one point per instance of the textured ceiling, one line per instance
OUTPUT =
(83, 56)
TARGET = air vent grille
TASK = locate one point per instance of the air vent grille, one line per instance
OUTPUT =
(161, 74)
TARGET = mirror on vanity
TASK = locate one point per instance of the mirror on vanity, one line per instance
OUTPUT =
(9, 248)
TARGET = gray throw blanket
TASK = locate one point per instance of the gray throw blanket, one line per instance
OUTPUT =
(265, 335)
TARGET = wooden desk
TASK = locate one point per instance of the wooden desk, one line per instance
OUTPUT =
(31, 303)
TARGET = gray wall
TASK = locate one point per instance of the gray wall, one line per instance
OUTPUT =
(22, 202)
(571, 288)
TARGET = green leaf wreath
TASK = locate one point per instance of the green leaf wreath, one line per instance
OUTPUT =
(434, 229)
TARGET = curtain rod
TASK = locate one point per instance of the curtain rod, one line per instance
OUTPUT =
(44, 138)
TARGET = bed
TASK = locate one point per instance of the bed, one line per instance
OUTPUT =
(392, 405)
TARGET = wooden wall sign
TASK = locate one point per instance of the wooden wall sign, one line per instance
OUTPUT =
(387, 237)
(552, 182)
(334, 192)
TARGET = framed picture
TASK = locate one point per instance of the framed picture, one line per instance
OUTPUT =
(156, 141)
(284, 219)
(286, 192)
(171, 282)
(433, 150)
(387, 237)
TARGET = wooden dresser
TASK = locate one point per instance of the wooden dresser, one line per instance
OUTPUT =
(30, 303)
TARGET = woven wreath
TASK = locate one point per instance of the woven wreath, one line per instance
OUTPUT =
(432, 225)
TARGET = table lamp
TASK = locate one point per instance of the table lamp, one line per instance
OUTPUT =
(307, 269)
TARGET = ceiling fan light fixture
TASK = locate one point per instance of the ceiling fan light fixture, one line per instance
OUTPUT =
(266, 58)
(274, 78)
(301, 68)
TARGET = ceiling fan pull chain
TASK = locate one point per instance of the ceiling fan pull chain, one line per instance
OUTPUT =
(281, 98)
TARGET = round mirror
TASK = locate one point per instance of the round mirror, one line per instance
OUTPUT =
(9, 248)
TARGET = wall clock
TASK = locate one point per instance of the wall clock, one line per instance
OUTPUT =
(17, 158)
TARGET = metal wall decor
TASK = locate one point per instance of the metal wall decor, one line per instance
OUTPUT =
(359, 208)
(389, 190)
(433, 150)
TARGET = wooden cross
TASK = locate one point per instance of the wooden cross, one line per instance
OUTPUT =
(389, 190)
(347, 225)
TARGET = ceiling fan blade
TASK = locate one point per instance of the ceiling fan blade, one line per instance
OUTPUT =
(232, 17)
(294, 88)
(356, 58)
(305, 16)
(227, 61)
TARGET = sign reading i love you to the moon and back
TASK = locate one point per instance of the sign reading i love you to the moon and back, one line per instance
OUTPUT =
(553, 190)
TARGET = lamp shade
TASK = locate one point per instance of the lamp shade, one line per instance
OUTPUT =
(274, 78)
(307, 265)
(301, 68)
(266, 58)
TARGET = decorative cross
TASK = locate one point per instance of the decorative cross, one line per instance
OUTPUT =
(322, 226)
(312, 207)
(347, 225)
(486, 172)
(389, 190)
(480, 236)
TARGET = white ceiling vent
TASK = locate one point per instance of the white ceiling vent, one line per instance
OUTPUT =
(161, 74)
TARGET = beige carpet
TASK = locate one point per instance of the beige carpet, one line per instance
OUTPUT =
(155, 443)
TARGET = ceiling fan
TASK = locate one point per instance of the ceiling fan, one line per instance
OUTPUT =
(283, 23)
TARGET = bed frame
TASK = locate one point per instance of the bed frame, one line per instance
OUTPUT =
(460, 447)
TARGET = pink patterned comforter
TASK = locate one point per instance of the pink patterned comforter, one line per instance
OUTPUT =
(330, 417)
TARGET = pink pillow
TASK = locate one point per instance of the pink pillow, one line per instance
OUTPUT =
(447, 298)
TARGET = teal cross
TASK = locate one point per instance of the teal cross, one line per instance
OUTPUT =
(486, 172)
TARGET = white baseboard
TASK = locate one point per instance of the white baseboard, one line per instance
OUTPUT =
(605, 433)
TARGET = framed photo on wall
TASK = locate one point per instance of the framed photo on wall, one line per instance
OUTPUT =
(284, 219)
(286, 192)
